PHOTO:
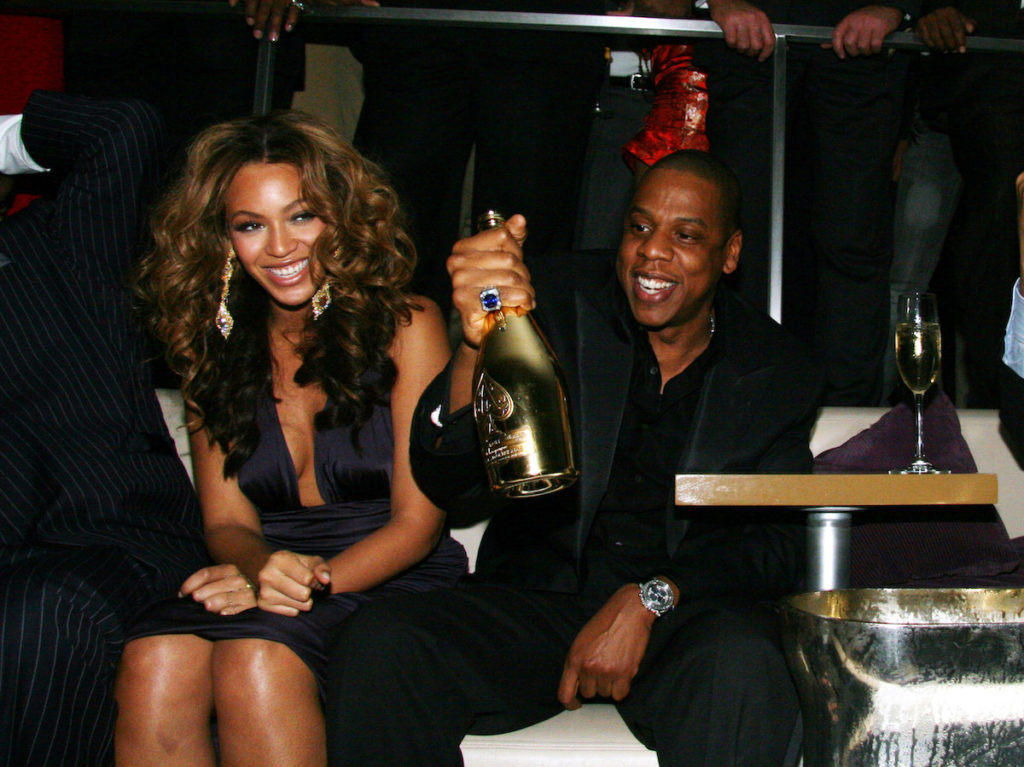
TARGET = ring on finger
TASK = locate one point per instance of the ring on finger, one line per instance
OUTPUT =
(298, 5)
(252, 587)
(490, 299)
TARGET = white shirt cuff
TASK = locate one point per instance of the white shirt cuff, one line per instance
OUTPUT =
(14, 158)
(1013, 352)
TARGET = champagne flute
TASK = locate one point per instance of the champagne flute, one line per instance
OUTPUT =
(918, 351)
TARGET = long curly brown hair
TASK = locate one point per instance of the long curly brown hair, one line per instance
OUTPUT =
(363, 254)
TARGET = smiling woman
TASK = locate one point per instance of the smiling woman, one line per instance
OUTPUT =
(277, 284)
(272, 233)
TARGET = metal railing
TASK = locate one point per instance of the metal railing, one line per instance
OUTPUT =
(561, 22)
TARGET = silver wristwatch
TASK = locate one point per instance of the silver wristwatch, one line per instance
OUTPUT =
(657, 596)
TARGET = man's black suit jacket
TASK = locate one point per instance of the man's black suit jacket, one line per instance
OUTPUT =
(85, 457)
(754, 415)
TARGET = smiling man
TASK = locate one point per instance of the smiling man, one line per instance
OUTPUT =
(606, 589)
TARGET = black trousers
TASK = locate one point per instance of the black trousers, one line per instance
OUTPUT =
(410, 676)
(62, 617)
(851, 110)
(986, 126)
(524, 101)
(195, 70)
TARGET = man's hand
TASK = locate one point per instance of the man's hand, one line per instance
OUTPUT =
(490, 259)
(607, 652)
(268, 17)
(222, 589)
(945, 29)
(288, 580)
(748, 30)
(862, 32)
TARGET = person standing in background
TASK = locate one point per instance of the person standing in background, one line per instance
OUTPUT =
(983, 94)
(852, 93)
(196, 69)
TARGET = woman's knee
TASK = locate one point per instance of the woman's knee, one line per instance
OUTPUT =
(249, 671)
(165, 671)
(163, 690)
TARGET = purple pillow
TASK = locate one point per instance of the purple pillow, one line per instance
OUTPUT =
(912, 546)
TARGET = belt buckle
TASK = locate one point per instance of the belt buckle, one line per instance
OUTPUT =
(638, 81)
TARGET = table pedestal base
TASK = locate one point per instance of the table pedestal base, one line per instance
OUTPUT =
(828, 547)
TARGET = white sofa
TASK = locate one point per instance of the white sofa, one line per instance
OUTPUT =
(595, 736)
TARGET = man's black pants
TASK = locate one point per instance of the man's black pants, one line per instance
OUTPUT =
(410, 676)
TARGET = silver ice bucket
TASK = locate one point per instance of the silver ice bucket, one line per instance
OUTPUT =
(909, 677)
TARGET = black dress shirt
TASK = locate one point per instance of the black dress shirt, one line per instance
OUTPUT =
(628, 538)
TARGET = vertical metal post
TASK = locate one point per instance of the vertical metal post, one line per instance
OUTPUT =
(778, 176)
(261, 99)
(828, 549)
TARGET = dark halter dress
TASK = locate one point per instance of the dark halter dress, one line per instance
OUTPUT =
(356, 487)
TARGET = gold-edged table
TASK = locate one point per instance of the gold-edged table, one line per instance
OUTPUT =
(830, 501)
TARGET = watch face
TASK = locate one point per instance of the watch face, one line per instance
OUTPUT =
(657, 596)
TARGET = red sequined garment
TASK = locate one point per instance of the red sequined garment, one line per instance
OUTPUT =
(31, 57)
(676, 119)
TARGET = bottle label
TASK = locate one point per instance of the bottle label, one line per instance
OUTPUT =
(506, 445)
(496, 405)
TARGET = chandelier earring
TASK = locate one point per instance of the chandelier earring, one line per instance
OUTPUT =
(225, 322)
(322, 297)
(321, 300)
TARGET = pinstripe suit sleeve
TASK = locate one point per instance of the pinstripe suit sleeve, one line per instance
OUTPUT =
(112, 148)
(97, 516)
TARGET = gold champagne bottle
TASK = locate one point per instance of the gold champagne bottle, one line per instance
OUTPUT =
(520, 405)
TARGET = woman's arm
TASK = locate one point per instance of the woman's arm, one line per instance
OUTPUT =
(230, 522)
(420, 350)
(233, 534)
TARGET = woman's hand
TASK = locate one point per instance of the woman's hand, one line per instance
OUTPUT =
(268, 17)
(288, 580)
(490, 259)
(223, 589)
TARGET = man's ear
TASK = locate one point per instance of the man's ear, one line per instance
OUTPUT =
(732, 252)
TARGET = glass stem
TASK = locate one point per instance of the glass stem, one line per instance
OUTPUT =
(919, 410)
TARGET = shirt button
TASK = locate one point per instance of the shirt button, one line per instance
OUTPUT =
(654, 370)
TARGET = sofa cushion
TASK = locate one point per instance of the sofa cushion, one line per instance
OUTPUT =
(921, 546)
(591, 736)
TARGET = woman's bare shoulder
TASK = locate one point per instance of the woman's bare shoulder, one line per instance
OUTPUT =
(424, 331)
